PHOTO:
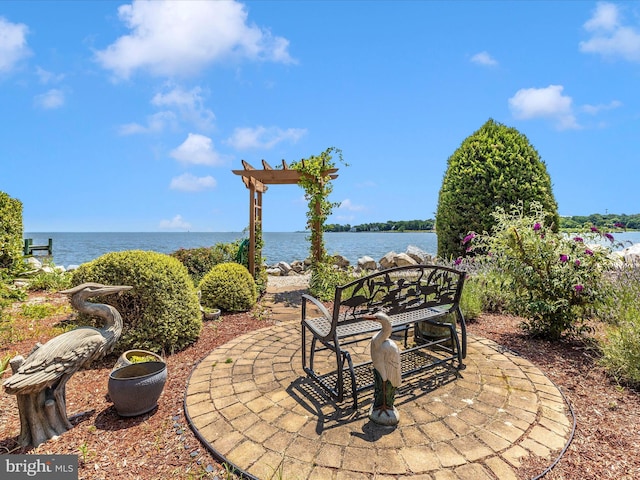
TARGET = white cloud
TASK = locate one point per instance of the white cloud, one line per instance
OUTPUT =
(347, 204)
(606, 17)
(263, 137)
(48, 77)
(50, 100)
(156, 123)
(547, 102)
(610, 38)
(190, 183)
(483, 58)
(367, 184)
(176, 222)
(172, 38)
(189, 104)
(13, 44)
(595, 109)
(178, 105)
(198, 150)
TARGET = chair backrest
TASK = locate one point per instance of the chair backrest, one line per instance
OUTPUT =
(398, 290)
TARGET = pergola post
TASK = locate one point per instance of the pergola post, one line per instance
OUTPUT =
(252, 229)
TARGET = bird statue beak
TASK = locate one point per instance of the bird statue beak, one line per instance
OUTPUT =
(97, 289)
(109, 289)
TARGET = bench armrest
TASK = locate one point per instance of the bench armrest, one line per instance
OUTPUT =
(317, 303)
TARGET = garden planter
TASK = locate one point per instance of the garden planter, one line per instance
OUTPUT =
(212, 314)
(136, 356)
(134, 389)
(430, 333)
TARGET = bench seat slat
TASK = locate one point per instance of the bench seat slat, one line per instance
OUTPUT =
(348, 327)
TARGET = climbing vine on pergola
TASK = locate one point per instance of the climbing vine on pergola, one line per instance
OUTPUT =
(312, 174)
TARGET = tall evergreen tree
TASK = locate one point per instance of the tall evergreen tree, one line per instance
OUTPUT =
(495, 166)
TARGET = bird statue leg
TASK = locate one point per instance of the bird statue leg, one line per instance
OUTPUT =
(384, 407)
(384, 394)
(60, 399)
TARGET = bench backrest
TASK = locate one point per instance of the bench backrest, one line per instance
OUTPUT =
(398, 290)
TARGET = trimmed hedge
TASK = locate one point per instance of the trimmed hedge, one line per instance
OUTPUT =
(229, 287)
(161, 313)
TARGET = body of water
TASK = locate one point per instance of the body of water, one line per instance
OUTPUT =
(70, 248)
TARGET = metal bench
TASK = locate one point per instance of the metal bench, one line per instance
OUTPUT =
(408, 295)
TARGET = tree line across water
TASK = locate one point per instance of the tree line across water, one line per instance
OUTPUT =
(609, 221)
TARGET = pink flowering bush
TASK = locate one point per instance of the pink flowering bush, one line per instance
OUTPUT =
(556, 279)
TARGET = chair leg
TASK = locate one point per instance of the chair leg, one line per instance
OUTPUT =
(340, 374)
(463, 332)
(352, 374)
(456, 345)
(304, 347)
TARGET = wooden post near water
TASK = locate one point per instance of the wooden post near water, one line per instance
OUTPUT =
(29, 247)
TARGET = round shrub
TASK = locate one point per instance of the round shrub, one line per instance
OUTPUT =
(200, 260)
(229, 287)
(494, 167)
(161, 313)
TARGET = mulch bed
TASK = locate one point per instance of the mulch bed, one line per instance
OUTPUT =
(160, 445)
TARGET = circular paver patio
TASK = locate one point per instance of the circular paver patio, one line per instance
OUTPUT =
(251, 404)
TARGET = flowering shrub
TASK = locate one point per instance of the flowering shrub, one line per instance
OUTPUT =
(621, 348)
(556, 278)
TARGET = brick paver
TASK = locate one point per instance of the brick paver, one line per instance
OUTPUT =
(252, 405)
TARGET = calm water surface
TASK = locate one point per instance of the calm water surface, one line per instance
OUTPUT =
(70, 248)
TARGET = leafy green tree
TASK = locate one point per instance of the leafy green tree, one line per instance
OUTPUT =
(10, 234)
(494, 167)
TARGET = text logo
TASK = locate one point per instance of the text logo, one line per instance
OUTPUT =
(44, 467)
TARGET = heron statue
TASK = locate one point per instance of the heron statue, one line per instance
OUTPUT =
(385, 356)
(39, 381)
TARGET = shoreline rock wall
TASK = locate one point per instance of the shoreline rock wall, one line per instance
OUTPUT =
(412, 256)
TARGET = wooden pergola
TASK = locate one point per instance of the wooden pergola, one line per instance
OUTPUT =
(256, 181)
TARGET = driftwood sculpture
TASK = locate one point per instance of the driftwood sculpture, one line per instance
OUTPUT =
(39, 381)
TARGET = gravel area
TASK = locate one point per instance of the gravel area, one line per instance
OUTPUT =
(296, 280)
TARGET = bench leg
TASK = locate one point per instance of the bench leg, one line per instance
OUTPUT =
(312, 350)
(304, 347)
(463, 331)
(352, 374)
(456, 342)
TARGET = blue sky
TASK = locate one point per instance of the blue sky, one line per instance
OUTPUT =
(124, 116)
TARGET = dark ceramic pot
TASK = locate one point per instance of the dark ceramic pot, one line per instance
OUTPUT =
(128, 358)
(134, 389)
